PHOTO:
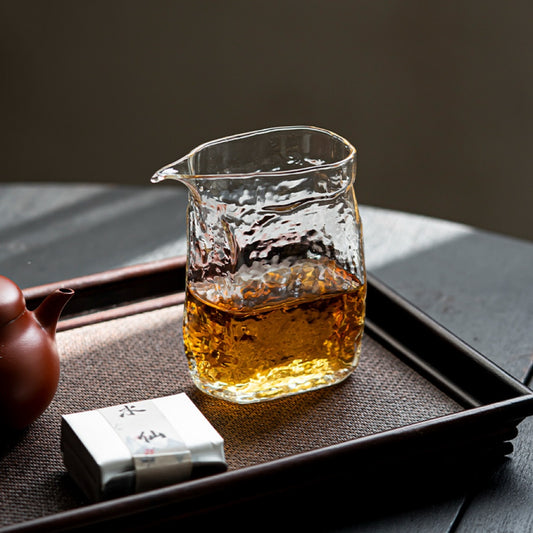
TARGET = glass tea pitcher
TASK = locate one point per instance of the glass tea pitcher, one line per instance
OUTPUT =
(276, 282)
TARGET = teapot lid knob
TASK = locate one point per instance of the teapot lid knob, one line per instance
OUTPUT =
(12, 302)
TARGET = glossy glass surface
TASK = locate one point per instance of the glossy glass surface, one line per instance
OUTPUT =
(276, 279)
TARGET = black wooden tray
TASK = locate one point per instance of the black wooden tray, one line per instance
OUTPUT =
(389, 463)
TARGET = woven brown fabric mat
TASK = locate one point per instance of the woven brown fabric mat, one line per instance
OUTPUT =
(141, 356)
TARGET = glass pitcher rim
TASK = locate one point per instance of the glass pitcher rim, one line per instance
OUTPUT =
(325, 166)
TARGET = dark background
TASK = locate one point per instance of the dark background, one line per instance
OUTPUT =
(436, 96)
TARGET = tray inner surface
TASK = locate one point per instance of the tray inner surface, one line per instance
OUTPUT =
(141, 356)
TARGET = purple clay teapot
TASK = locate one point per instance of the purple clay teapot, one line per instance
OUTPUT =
(29, 361)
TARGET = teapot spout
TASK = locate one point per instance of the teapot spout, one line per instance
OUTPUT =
(51, 307)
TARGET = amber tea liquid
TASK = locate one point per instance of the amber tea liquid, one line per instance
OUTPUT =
(260, 336)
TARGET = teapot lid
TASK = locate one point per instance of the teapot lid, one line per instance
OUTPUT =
(12, 302)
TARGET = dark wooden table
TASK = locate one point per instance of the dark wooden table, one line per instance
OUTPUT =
(477, 284)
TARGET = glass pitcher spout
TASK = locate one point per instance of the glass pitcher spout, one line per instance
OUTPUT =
(179, 171)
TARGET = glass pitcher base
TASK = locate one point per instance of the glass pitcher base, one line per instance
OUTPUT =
(281, 388)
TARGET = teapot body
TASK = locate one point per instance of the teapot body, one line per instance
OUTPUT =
(29, 370)
(29, 360)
